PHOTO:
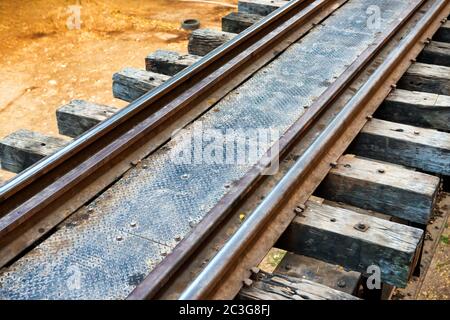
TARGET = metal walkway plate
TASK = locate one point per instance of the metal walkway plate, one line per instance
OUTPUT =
(105, 250)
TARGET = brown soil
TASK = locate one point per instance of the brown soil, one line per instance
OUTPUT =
(44, 65)
(437, 281)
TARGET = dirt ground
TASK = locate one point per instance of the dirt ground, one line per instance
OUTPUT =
(437, 282)
(46, 62)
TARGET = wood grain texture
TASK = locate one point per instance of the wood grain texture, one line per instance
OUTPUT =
(236, 22)
(443, 34)
(427, 110)
(436, 53)
(23, 148)
(261, 7)
(203, 41)
(169, 62)
(78, 116)
(328, 233)
(426, 78)
(327, 274)
(425, 149)
(281, 287)
(130, 83)
(382, 187)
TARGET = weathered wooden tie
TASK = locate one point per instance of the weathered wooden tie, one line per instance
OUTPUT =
(169, 62)
(443, 34)
(261, 7)
(436, 53)
(355, 241)
(23, 148)
(381, 187)
(78, 116)
(425, 149)
(426, 78)
(130, 84)
(318, 271)
(203, 41)
(236, 22)
(281, 287)
(421, 109)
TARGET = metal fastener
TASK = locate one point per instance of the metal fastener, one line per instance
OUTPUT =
(341, 283)
(361, 226)
(255, 270)
(333, 219)
(297, 210)
(119, 238)
(381, 171)
(133, 224)
(248, 282)
(333, 164)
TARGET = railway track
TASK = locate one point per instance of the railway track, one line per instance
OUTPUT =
(362, 155)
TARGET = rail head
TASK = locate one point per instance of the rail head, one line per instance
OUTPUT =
(215, 269)
(47, 190)
(217, 56)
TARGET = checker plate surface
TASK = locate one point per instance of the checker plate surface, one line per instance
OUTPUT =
(103, 251)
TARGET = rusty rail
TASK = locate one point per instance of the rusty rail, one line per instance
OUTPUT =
(238, 245)
(35, 195)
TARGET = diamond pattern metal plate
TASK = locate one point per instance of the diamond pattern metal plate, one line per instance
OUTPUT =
(106, 249)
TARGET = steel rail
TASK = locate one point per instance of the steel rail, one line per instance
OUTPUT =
(210, 276)
(187, 247)
(169, 266)
(58, 177)
(48, 163)
(89, 137)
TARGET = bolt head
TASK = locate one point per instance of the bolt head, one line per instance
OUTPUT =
(341, 283)
(248, 282)
(255, 270)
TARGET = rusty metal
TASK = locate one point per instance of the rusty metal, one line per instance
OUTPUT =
(48, 185)
(235, 248)
(187, 247)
